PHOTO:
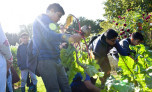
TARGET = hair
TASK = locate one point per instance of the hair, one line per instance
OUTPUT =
(110, 34)
(56, 7)
(24, 34)
(137, 36)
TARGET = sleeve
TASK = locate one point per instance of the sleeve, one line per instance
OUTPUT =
(4, 46)
(47, 33)
(18, 56)
(125, 46)
(87, 77)
(120, 50)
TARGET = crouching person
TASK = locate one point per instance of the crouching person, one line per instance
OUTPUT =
(21, 61)
(78, 85)
(101, 46)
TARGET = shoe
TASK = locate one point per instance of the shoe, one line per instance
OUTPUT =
(102, 86)
(34, 88)
(22, 89)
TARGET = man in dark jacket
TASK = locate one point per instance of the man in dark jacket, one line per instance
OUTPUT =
(46, 41)
(101, 47)
(135, 39)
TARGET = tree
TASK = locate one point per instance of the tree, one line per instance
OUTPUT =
(27, 29)
(12, 38)
(95, 25)
(115, 8)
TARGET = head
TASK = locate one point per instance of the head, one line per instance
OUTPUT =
(136, 38)
(111, 36)
(55, 12)
(24, 38)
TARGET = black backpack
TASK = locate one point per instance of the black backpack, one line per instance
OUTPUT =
(32, 60)
(92, 39)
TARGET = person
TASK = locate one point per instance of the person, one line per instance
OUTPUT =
(78, 85)
(21, 61)
(46, 41)
(5, 59)
(100, 47)
(135, 39)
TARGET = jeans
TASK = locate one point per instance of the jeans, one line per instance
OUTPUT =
(24, 74)
(9, 81)
(53, 75)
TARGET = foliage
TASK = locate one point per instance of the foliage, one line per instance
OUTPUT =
(106, 25)
(78, 61)
(114, 85)
(130, 22)
(26, 28)
(95, 27)
(40, 86)
(15, 66)
(14, 53)
(12, 38)
(115, 8)
(137, 72)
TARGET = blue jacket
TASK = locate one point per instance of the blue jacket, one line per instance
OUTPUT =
(77, 80)
(22, 56)
(47, 41)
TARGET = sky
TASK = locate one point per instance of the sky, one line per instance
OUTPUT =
(18, 12)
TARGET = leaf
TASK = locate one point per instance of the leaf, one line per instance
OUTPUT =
(69, 21)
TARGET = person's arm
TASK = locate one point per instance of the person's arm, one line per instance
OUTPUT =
(5, 48)
(125, 46)
(89, 85)
(120, 50)
(50, 35)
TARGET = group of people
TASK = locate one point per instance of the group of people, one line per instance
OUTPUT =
(46, 45)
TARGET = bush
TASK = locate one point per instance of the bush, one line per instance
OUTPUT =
(15, 66)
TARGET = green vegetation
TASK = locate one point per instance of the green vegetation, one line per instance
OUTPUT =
(78, 61)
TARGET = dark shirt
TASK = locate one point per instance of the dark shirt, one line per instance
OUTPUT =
(46, 40)
(22, 56)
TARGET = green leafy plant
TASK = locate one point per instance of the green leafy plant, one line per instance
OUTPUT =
(137, 72)
(78, 61)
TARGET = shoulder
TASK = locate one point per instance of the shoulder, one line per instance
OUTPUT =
(124, 42)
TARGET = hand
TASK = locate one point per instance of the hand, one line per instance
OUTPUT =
(62, 29)
(75, 38)
(9, 64)
(62, 45)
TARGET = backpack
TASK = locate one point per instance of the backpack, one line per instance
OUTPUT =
(92, 39)
(32, 60)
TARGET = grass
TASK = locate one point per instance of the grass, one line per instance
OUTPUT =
(40, 86)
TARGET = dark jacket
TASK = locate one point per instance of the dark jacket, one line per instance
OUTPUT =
(125, 45)
(22, 56)
(45, 39)
(101, 48)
